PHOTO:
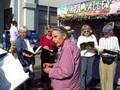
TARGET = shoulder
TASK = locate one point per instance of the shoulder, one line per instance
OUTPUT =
(93, 36)
(69, 45)
(19, 39)
(102, 38)
(114, 38)
(81, 37)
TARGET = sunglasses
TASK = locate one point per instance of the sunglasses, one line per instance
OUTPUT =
(86, 31)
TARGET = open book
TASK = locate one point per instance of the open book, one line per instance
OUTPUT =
(29, 52)
(85, 45)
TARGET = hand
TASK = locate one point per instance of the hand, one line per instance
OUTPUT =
(89, 47)
(47, 65)
(12, 48)
(30, 55)
(46, 70)
(94, 50)
(27, 55)
(46, 47)
(101, 50)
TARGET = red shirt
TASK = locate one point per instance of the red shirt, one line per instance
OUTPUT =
(44, 41)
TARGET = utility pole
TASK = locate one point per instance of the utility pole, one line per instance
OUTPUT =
(48, 12)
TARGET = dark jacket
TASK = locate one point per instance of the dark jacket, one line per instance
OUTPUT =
(21, 46)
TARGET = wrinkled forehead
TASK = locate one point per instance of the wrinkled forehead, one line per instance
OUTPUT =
(56, 33)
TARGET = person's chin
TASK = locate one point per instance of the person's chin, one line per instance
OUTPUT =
(58, 45)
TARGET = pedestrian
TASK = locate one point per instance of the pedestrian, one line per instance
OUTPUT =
(13, 36)
(24, 47)
(88, 45)
(65, 73)
(47, 54)
(107, 65)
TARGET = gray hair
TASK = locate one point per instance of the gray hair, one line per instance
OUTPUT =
(62, 30)
(23, 29)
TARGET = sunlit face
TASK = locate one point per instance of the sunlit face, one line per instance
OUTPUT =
(49, 32)
(58, 38)
(87, 32)
(24, 34)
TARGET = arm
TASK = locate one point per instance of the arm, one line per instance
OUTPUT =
(19, 46)
(78, 42)
(117, 44)
(100, 48)
(96, 43)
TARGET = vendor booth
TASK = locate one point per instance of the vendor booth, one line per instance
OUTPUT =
(97, 14)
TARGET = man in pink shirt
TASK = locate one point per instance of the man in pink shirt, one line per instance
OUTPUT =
(65, 73)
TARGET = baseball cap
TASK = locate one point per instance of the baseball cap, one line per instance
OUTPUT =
(108, 27)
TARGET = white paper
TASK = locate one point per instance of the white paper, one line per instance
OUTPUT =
(2, 51)
(11, 72)
(37, 50)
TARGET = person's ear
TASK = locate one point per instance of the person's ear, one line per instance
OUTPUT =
(64, 36)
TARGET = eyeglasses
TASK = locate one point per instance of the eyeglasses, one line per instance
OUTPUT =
(86, 31)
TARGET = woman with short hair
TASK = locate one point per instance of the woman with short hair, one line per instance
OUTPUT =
(88, 45)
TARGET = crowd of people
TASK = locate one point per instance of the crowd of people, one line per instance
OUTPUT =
(66, 62)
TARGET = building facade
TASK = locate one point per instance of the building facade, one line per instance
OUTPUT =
(30, 13)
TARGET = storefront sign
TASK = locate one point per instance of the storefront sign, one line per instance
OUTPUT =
(92, 8)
